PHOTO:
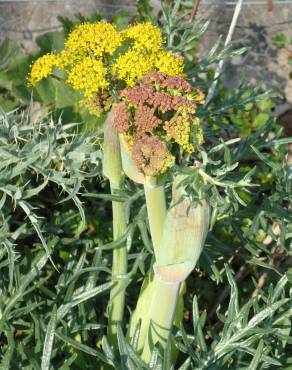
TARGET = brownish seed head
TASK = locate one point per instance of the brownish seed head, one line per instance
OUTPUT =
(151, 155)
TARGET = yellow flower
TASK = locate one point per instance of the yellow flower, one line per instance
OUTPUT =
(178, 128)
(97, 38)
(128, 141)
(169, 63)
(145, 36)
(99, 103)
(199, 135)
(167, 163)
(42, 68)
(89, 65)
(88, 76)
(132, 66)
(68, 58)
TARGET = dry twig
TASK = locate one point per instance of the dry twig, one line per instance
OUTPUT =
(194, 10)
(219, 68)
(260, 285)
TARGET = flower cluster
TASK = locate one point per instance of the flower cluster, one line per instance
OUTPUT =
(144, 36)
(99, 103)
(98, 58)
(42, 68)
(88, 76)
(132, 65)
(151, 155)
(157, 116)
(98, 39)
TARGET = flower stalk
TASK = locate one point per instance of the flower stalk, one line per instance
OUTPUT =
(153, 120)
(161, 315)
(119, 268)
(112, 169)
(156, 210)
(184, 232)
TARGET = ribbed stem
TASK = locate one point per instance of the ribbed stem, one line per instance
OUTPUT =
(112, 169)
(119, 267)
(156, 209)
(162, 315)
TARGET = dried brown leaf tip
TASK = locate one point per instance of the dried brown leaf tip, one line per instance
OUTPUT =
(157, 117)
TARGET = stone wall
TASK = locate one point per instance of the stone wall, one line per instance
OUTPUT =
(24, 20)
(255, 28)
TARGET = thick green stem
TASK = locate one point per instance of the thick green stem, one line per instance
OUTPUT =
(156, 209)
(119, 267)
(184, 232)
(112, 169)
(162, 316)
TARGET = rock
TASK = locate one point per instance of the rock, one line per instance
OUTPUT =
(256, 26)
(23, 21)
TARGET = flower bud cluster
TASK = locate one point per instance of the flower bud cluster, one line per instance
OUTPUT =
(151, 155)
(157, 116)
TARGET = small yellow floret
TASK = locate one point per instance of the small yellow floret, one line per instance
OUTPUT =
(145, 36)
(128, 141)
(179, 130)
(88, 76)
(132, 66)
(167, 163)
(68, 58)
(42, 68)
(169, 63)
(199, 135)
(98, 103)
(98, 38)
